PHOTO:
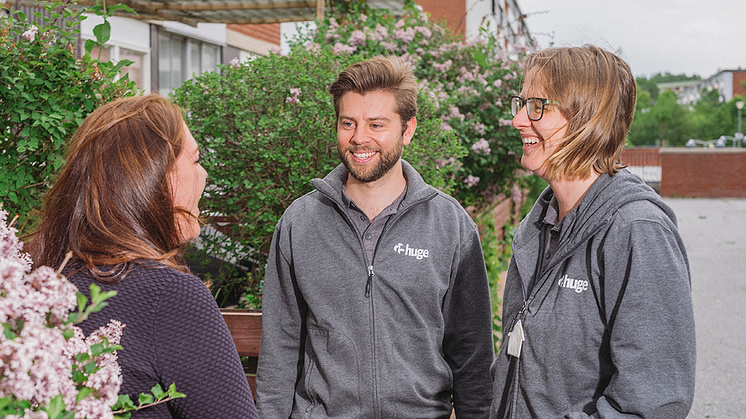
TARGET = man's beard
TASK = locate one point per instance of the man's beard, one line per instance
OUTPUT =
(386, 161)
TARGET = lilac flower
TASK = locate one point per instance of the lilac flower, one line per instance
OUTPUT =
(363, 18)
(333, 23)
(443, 67)
(36, 360)
(479, 128)
(444, 162)
(444, 126)
(471, 181)
(505, 122)
(235, 62)
(293, 98)
(389, 46)
(382, 32)
(424, 31)
(482, 146)
(30, 34)
(399, 24)
(357, 38)
(405, 35)
(343, 49)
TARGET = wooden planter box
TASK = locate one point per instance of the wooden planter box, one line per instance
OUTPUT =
(246, 329)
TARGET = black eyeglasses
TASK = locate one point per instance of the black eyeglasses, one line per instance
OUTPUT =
(535, 106)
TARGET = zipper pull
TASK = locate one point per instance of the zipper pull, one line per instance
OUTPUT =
(369, 283)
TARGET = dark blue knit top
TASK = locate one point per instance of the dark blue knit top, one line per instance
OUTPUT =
(174, 333)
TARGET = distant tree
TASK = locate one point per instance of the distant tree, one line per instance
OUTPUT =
(668, 77)
(648, 86)
(643, 131)
(670, 120)
(710, 118)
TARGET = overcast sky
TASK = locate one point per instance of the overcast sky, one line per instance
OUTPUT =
(687, 36)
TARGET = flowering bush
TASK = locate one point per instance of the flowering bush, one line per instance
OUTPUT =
(469, 81)
(45, 93)
(48, 368)
(269, 126)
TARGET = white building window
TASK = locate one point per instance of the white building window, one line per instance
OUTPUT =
(181, 58)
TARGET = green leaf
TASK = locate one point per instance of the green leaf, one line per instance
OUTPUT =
(84, 392)
(82, 300)
(172, 393)
(9, 334)
(102, 32)
(145, 399)
(55, 407)
(124, 7)
(158, 392)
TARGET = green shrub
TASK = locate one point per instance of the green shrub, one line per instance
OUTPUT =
(470, 82)
(45, 93)
(266, 129)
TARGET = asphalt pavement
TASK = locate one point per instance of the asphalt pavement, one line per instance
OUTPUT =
(714, 233)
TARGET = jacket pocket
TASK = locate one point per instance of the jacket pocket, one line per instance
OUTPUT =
(330, 385)
(416, 381)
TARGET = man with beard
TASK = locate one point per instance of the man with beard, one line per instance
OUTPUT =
(376, 303)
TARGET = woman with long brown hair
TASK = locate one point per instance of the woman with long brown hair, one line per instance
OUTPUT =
(125, 205)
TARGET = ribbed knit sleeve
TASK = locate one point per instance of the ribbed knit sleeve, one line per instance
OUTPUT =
(174, 333)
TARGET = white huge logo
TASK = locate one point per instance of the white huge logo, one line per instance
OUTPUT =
(579, 285)
(411, 251)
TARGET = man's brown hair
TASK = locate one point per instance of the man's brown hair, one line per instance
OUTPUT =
(388, 74)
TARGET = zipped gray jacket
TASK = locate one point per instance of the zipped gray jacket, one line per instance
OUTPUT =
(609, 328)
(407, 334)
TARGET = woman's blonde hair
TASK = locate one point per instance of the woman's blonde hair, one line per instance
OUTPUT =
(596, 93)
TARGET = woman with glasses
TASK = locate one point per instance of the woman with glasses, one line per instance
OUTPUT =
(597, 310)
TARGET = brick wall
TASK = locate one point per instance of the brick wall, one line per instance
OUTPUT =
(269, 32)
(641, 156)
(738, 78)
(453, 11)
(701, 172)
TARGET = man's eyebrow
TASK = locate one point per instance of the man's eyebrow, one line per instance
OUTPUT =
(373, 118)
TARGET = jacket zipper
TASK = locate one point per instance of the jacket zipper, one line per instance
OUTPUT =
(369, 280)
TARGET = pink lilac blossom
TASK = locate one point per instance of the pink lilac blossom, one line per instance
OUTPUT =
(444, 126)
(357, 38)
(382, 32)
(424, 31)
(455, 113)
(482, 146)
(363, 18)
(293, 98)
(444, 162)
(36, 360)
(471, 181)
(405, 35)
(341, 48)
(235, 62)
(505, 122)
(30, 34)
(399, 24)
(443, 67)
(389, 46)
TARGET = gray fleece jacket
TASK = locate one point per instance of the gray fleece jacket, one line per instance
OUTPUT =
(609, 328)
(407, 334)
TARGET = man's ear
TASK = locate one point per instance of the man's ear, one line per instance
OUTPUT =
(409, 132)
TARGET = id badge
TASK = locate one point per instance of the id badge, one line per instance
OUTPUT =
(515, 339)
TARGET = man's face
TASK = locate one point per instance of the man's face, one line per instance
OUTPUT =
(369, 134)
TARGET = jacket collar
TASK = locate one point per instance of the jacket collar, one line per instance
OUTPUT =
(417, 190)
